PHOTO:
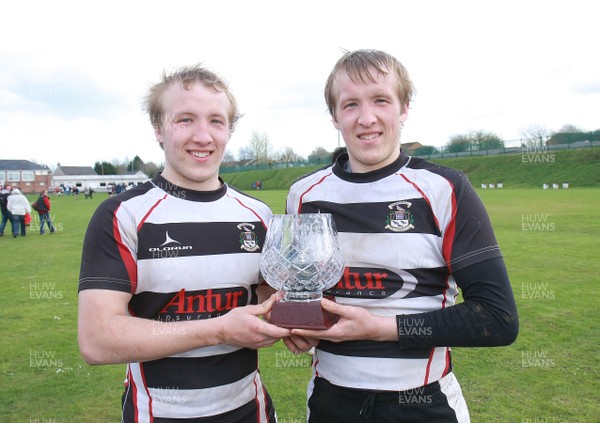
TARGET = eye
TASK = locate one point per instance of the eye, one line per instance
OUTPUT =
(184, 121)
(350, 105)
(217, 121)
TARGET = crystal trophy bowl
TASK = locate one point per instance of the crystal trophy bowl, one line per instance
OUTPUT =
(302, 258)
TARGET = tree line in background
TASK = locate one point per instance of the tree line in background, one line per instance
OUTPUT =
(532, 137)
(261, 150)
(127, 167)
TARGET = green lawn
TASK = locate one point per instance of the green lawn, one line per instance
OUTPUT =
(550, 241)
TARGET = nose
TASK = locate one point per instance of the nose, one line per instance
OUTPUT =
(366, 117)
(201, 133)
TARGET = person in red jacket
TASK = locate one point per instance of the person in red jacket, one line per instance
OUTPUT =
(42, 205)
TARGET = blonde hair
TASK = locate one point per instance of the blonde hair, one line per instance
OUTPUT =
(186, 76)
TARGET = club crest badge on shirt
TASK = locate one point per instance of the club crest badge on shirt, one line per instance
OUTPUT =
(248, 237)
(399, 218)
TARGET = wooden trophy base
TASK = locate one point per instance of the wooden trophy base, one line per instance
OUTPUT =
(302, 315)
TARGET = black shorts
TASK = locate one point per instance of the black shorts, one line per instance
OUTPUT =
(438, 402)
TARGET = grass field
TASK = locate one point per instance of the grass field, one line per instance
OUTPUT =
(550, 240)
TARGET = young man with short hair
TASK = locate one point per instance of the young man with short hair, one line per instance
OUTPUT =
(170, 271)
(412, 234)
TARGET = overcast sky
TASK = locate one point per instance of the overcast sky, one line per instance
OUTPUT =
(73, 74)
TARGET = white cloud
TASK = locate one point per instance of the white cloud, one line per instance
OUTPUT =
(72, 75)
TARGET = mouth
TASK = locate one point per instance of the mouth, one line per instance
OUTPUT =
(200, 154)
(369, 137)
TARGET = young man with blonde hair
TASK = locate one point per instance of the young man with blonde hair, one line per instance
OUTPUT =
(169, 274)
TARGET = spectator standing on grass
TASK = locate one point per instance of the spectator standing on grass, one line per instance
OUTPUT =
(413, 233)
(170, 271)
(18, 206)
(42, 206)
(6, 216)
(89, 192)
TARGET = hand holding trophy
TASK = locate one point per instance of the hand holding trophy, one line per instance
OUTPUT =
(302, 258)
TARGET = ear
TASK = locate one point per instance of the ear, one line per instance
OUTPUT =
(404, 114)
(336, 125)
(158, 133)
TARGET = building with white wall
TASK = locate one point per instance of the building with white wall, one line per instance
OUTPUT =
(28, 176)
(85, 177)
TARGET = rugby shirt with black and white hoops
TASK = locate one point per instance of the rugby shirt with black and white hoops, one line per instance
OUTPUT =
(183, 255)
(405, 229)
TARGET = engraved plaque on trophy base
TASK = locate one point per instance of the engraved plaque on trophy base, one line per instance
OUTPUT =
(302, 315)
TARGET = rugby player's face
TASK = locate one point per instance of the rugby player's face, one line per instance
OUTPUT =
(194, 134)
(370, 118)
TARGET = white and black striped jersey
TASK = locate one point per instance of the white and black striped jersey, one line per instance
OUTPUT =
(404, 229)
(183, 255)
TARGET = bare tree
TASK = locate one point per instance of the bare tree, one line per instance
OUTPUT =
(261, 147)
(228, 157)
(534, 137)
(289, 155)
(245, 153)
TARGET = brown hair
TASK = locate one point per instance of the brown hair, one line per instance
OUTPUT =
(364, 66)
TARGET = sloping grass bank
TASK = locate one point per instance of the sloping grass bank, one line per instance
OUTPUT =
(578, 168)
